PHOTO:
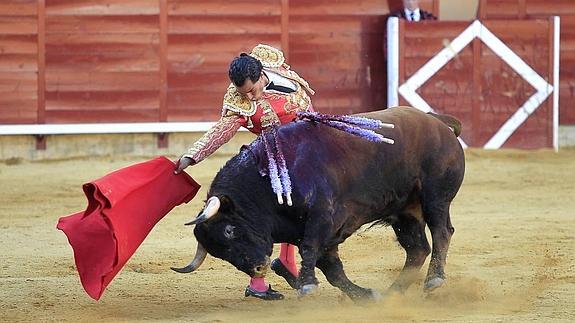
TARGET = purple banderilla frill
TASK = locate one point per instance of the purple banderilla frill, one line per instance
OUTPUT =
(354, 125)
(278, 172)
(281, 182)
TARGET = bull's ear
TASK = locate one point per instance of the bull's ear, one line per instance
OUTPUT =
(227, 205)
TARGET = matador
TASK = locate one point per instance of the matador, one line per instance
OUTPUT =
(264, 92)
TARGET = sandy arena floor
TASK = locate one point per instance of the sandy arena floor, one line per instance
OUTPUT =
(511, 258)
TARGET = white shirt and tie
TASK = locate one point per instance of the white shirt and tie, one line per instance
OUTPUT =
(279, 83)
(414, 15)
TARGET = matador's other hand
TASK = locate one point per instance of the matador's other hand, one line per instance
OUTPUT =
(182, 164)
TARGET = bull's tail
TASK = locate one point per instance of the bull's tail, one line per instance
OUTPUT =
(450, 121)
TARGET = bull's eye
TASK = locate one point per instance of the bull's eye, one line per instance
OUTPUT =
(229, 231)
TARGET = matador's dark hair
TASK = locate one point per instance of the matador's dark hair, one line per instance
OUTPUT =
(244, 67)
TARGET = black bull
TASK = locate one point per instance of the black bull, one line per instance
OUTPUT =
(341, 182)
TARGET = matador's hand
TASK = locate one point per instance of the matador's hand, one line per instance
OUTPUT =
(182, 164)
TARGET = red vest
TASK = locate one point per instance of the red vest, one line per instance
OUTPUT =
(275, 109)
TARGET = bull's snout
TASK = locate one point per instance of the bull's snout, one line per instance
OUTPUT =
(262, 269)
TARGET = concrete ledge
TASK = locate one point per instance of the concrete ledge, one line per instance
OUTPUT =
(566, 136)
(79, 146)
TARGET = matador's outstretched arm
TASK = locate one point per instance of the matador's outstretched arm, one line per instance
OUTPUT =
(217, 136)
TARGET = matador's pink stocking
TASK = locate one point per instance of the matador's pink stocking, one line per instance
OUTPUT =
(287, 257)
(258, 284)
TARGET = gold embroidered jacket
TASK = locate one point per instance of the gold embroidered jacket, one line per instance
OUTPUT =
(274, 108)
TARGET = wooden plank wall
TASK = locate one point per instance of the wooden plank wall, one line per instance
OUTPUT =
(338, 47)
(529, 9)
(102, 61)
(477, 86)
(167, 60)
(18, 61)
(203, 37)
(451, 88)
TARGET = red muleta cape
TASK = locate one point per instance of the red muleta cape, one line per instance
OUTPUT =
(123, 207)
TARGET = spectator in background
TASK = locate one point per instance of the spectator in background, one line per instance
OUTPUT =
(411, 12)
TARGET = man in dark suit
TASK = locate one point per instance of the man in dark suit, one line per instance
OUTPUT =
(411, 12)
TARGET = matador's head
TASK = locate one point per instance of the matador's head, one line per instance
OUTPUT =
(246, 73)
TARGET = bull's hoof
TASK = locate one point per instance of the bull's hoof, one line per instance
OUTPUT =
(375, 295)
(307, 289)
(433, 284)
(367, 295)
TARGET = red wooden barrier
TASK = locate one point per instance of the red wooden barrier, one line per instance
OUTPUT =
(19, 62)
(477, 85)
(529, 9)
(76, 61)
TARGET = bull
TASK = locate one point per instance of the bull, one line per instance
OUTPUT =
(341, 182)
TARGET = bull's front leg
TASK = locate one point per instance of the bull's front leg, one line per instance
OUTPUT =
(316, 233)
(330, 264)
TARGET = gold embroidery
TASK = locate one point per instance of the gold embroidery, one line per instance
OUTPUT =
(268, 56)
(297, 101)
(218, 135)
(273, 59)
(236, 102)
(269, 117)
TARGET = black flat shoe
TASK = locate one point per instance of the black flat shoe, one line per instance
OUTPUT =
(281, 270)
(268, 295)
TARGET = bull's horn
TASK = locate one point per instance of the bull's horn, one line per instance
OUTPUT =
(211, 209)
(201, 254)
